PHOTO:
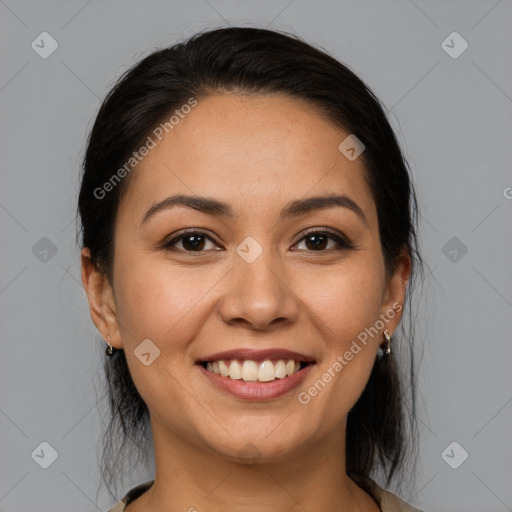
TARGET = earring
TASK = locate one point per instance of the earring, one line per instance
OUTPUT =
(387, 348)
(110, 348)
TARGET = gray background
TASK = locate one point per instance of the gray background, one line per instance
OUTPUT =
(453, 119)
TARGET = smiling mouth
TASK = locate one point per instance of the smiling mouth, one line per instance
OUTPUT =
(248, 370)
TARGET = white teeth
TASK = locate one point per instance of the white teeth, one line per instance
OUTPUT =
(235, 370)
(266, 371)
(290, 366)
(224, 370)
(280, 369)
(250, 371)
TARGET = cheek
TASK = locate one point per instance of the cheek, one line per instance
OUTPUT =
(165, 305)
(158, 302)
(347, 300)
(346, 305)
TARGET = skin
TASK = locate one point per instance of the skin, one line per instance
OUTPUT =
(255, 153)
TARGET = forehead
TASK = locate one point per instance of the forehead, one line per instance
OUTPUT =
(249, 150)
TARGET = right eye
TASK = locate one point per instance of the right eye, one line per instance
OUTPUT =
(191, 241)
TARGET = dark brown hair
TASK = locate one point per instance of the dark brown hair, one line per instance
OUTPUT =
(381, 426)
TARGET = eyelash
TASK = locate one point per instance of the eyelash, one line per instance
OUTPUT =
(342, 242)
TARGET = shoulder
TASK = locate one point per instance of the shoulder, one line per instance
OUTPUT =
(388, 501)
(131, 495)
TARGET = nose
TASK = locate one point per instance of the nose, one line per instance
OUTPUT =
(259, 295)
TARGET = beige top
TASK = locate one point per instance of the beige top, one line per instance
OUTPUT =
(387, 501)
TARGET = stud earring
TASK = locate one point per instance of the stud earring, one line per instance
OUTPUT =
(387, 348)
(110, 348)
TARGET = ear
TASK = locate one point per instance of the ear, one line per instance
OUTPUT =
(394, 293)
(101, 300)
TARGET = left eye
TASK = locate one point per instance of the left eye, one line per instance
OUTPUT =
(314, 240)
(319, 239)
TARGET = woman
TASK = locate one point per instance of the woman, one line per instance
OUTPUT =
(249, 243)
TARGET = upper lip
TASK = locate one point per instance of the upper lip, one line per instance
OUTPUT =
(257, 355)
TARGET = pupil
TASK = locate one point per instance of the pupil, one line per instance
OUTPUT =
(317, 245)
(197, 242)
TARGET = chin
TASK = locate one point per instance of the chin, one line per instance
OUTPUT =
(257, 448)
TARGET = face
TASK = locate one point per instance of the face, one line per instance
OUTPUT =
(255, 277)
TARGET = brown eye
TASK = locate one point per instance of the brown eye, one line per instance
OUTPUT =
(191, 242)
(319, 240)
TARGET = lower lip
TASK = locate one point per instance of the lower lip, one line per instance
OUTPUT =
(257, 390)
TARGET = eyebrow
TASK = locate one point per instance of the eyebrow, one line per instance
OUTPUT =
(294, 208)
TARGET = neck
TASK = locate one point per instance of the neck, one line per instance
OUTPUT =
(197, 479)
